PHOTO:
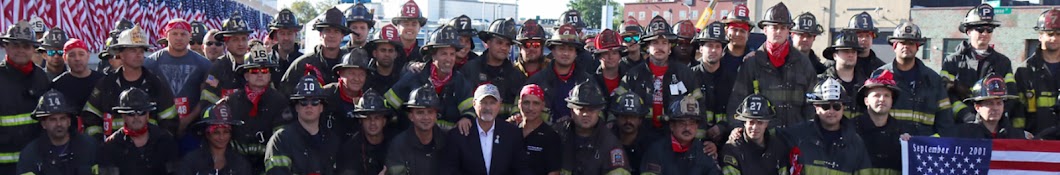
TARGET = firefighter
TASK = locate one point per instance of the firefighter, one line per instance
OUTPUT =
(878, 128)
(609, 50)
(223, 78)
(409, 23)
(332, 29)
(305, 146)
(216, 157)
(661, 80)
(561, 76)
(843, 55)
(989, 97)
(99, 117)
(584, 57)
(344, 94)
(759, 149)
(804, 34)
(72, 83)
(494, 67)
(138, 147)
(683, 51)
(628, 112)
(418, 149)
(975, 59)
(828, 144)
(183, 69)
(365, 151)
(387, 62)
(680, 154)
(212, 47)
(113, 64)
(531, 40)
(1035, 78)
(866, 30)
(453, 89)
(589, 147)
(260, 105)
(738, 26)
(361, 21)
(776, 70)
(466, 34)
(710, 43)
(542, 141)
(39, 29)
(284, 31)
(198, 33)
(631, 31)
(927, 103)
(61, 150)
(51, 48)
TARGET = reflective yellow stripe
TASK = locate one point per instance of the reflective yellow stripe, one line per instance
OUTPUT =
(755, 83)
(11, 157)
(948, 76)
(16, 120)
(618, 171)
(957, 107)
(209, 96)
(1046, 101)
(394, 99)
(564, 172)
(1010, 78)
(95, 168)
(28, 173)
(945, 103)
(466, 104)
(277, 161)
(914, 116)
(92, 109)
(249, 148)
(445, 125)
(167, 114)
(1019, 122)
(878, 171)
(93, 130)
(729, 170)
(819, 170)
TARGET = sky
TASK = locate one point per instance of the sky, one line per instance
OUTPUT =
(527, 8)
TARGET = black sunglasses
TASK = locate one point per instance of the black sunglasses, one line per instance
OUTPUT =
(984, 29)
(136, 113)
(830, 106)
(214, 43)
(308, 102)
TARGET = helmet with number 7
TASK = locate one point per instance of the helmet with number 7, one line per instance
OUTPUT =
(1047, 21)
(257, 58)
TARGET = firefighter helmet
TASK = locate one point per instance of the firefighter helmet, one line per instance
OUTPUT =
(608, 40)
(134, 100)
(979, 16)
(371, 102)
(684, 29)
(359, 13)
(52, 102)
(907, 31)
(827, 90)
(1047, 21)
(658, 28)
(778, 14)
(847, 39)
(740, 13)
(20, 32)
(424, 97)
(862, 22)
(990, 87)
(713, 32)
(307, 88)
(565, 35)
(755, 106)
(54, 38)
(333, 18)
(807, 23)
(585, 94)
(531, 31)
(628, 103)
(504, 28)
(409, 11)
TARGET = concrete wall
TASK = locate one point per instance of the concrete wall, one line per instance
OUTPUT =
(835, 14)
(643, 11)
(1009, 39)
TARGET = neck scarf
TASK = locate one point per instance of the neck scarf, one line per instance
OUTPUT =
(134, 133)
(25, 68)
(438, 81)
(255, 97)
(777, 52)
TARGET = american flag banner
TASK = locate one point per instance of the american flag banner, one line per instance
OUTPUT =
(933, 155)
(92, 20)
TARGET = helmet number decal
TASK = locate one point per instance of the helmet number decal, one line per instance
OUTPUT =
(260, 54)
(741, 12)
(716, 31)
(54, 102)
(754, 106)
(629, 103)
(410, 10)
(309, 87)
(985, 11)
(572, 19)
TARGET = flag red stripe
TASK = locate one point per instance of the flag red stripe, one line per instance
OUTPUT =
(1026, 145)
(1031, 166)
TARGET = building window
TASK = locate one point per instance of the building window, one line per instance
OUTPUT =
(630, 14)
(640, 16)
(695, 14)
(925, 50)
(683, 15)
(949, 46)
(723, 13)
(654, 13)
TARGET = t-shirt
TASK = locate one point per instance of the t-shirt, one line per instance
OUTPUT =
(1053, 68)
(657, 95)
(76, 90)
(184, 75)
(911, 76)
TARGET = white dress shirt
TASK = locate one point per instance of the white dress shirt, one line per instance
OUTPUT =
(486, 140)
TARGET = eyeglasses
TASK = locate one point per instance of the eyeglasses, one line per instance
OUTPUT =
(308, 102)
(830, 106)
(984, 29)
(214, 43)
(631, 38)
(52, 53)
(532, 45)
(258, 70)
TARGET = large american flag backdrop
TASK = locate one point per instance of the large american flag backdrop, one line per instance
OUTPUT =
(91, 20)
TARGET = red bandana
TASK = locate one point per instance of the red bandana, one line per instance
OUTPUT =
(342, 92)
(25, 68)
(677, 145)
(438, 81)
(255, 97)
(134, 133)
(566, 77)
(777, 52)
(740, 25)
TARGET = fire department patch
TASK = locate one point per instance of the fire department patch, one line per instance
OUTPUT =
(617, 158)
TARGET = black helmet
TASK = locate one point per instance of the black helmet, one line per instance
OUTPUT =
(356, 58)
(219, 114)
(20, 32)
(198, 32)
(739, 13)
(121, 25)
(713, 32)
(257, 57)
(990, 87)
(684, 29)
(572, 17)
(807, 23)
(54, 39)
(566, 34)
(847, 39)
(1047, 20)
(333, 17)
(52, 102)
(585, 94)
(879, 78)
(284, 20)
(628, 103)
(631, 27)
(308, 87)
(359, 13)
(862, 22)
(232, 26)
(658, 27)
(827, 90)
(504, 28)
(755, 106)
(907, 31)
(778, 14)
(980, 15)
(132, 100)
(424, 97)
(687, 107)
(445, 36)
(409, 11)
(371, 102)
(463, 25)
(531, 31)
(386, 34)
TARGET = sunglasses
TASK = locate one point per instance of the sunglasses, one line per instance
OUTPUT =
(308, 102)
(136, 113)
(984, 29)
(830, 106)
(631, 38)
(214, 43)
(258, 70)
(52, 53)
(532, 45)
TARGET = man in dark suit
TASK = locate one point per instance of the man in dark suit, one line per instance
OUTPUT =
(496, 147)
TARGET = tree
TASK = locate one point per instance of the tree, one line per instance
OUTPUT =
(306, 11)
(591, 9)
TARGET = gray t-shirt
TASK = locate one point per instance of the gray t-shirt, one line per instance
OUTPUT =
(184, 74)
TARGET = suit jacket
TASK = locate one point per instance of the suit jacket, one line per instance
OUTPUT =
(463, 155)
